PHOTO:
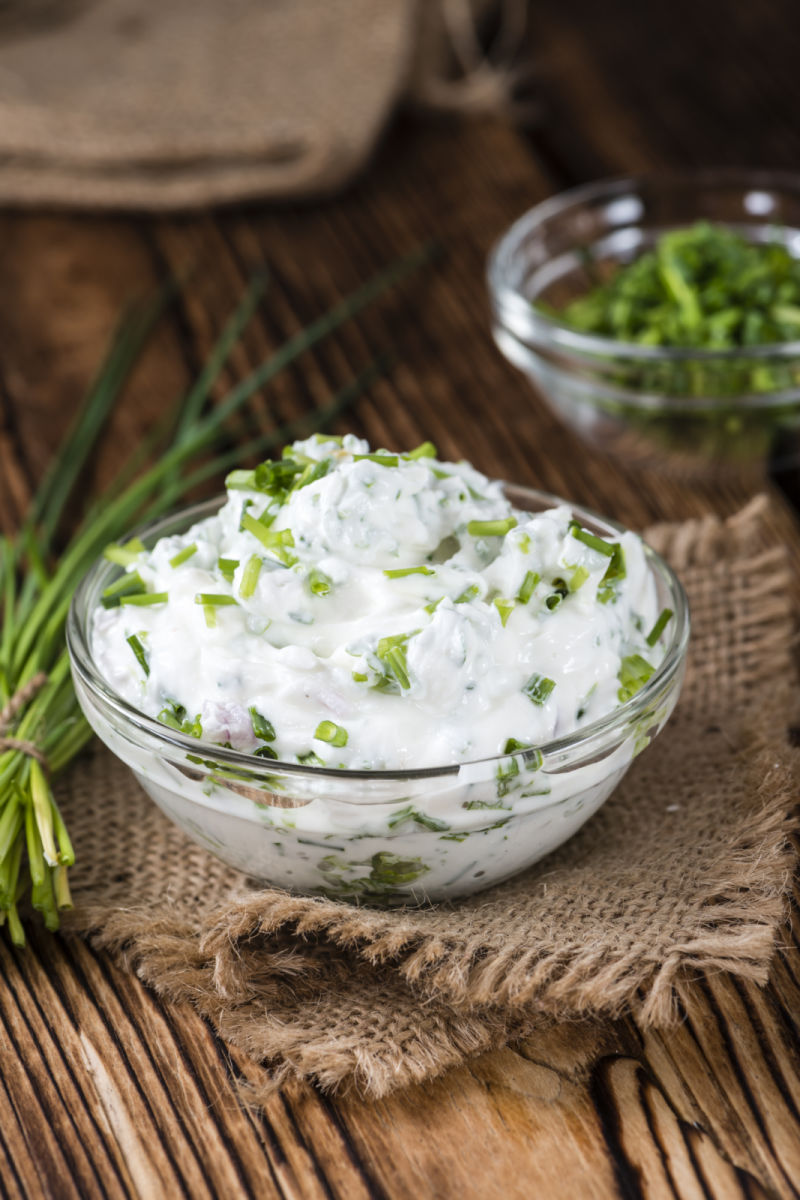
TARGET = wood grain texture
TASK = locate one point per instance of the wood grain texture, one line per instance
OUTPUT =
(104, 1090)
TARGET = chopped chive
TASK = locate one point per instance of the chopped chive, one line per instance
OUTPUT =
(424, 450)
(392, 653)
(553, 601)
(139, 650)
(659, 627)
(227, 566)
(504, 774)
(265, 752)
(322, 439)
(468, 594)
(183, 555)
(615, 572)
(513, 745)
(491, 528)
(577, 579)
(311, 473)
(359, 677)
(399, 572)
(124, 555)
(127, 585)
(310, 759)
(634, 673)
(262, 728)
(538, 688)
(336, 735)
(214, 599)
(319, 583)
(409, 813)
(210, 614)
(528, 586)
(241, 481)
(271, 539)
(250, 576)
(591, 540)
(505, 608)
(145, 598)
(434, 604)
(174, 715)
(383, 460)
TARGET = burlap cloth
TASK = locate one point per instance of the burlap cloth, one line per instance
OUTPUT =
(146, 104)
(684, 871)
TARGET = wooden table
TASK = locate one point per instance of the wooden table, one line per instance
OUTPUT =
(105, 1091)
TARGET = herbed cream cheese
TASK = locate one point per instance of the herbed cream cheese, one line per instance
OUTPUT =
(378, 611)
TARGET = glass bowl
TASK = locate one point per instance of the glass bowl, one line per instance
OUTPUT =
(680, 409)
(380, 837)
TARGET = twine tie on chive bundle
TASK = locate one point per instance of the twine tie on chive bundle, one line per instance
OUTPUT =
(8, 714)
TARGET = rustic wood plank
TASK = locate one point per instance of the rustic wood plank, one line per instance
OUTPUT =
(106, 1090)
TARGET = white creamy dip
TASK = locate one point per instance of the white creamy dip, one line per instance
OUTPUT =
(377, 612)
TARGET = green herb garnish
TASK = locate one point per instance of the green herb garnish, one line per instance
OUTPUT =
(409, 813)
(505, 608)
(335, 735)
(392, 653)
(634, 673)
(214, 599)
(491, 528)
(262, 728)
(424, 450)
(538, 688)
(527, 587)
(663, 620)
(139, 650)
(144, 598)
(227, 567)
(591, 540)
(400, 572)
(468, 594)
(250, 576)
(319, 583)
(130, 584)
(183, 555)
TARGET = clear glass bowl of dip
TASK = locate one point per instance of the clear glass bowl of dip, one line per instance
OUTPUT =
(682, 409)
(379, 837)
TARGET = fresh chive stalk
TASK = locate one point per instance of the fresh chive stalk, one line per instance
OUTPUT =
(36, 588)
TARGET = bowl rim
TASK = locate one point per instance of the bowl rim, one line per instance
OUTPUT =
(509, 301)
(589, 738)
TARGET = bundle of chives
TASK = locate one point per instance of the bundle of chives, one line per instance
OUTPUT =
(41, 726)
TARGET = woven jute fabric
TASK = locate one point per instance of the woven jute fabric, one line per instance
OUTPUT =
(684, 871)
(146, 105)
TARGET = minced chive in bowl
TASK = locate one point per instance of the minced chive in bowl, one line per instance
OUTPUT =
(660, 316)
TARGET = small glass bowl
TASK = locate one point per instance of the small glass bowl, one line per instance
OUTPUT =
(674, 408)
(380, 837)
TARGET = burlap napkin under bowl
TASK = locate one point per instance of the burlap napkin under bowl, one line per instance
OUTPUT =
(684, 870)
(142, 104)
